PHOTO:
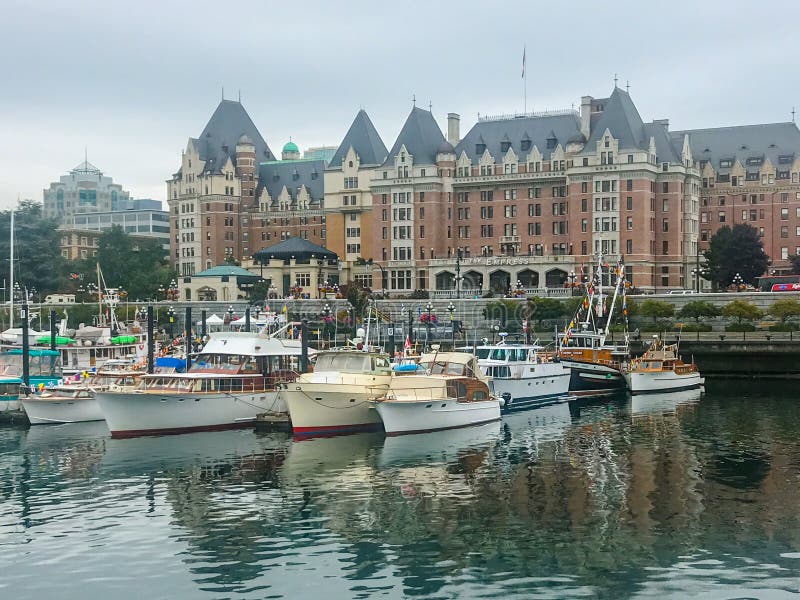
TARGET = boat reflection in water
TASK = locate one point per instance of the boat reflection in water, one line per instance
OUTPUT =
(663, 403)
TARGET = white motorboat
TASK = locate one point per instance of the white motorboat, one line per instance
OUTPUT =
(233, 379)
(523, 375)
(336, 398)
(66, 403)
(447, 391)
(660, 369)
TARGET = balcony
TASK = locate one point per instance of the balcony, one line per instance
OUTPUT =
(509, 239)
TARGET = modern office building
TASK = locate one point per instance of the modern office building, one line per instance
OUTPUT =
(84, 189)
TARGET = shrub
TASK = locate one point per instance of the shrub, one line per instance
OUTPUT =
(694, 327)
(784, 327)
(740, 327)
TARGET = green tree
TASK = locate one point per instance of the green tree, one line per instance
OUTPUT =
(699, 309)
(656, 309)
(37, 248)
(544, 309)
(136, 264)
(356, 295)
(785, 309)
(741, 310)
(794, 260)
(735, 250)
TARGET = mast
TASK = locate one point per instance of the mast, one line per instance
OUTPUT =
(11, 275)
(100, 320)
(620, 279)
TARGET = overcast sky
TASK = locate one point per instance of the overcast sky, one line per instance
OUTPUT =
(132, 81)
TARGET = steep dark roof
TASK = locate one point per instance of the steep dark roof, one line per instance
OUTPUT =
(768, 141)
(668, 148)
(275, 175)
(421, 136)
(364, 139)
(298, 248)
(229, 122)
(622, 119)
(536, 130)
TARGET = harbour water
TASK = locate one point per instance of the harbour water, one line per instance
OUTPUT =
(656, 496)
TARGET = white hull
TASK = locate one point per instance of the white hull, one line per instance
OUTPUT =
(410, 416)
(317, 408)
(130, 414)
(548, 383)
(44, 411)
(664, 381)
(9, 405)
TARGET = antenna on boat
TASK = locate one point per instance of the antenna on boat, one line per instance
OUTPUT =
(11, 273)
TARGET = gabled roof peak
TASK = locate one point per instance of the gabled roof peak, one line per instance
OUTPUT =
(364, 139)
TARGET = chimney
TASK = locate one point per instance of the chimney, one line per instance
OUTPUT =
(664, 122)
(586, 115)
(453, 128)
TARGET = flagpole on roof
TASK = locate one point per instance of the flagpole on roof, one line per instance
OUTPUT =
(524, 82)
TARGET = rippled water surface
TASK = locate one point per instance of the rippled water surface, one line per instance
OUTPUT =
(668, 496)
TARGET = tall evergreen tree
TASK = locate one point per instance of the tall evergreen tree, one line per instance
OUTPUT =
(735, 250)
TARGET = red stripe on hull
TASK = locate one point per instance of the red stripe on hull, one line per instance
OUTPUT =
(323, 430)
(179, 430)
(393, 433)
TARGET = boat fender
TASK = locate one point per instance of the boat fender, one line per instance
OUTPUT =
(506, 399)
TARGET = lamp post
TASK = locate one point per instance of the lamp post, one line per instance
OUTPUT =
(737, 279)
(429, 309)
(161, 291)
(272, 291)
(451, 309)
(458, 274)
(172, 292)
(230, 316)
(171, 315)
(572, 277)
(326, 315)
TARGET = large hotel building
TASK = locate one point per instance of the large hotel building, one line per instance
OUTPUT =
(518, 200)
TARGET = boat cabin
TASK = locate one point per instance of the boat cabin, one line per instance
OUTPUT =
(44, 365)
(352, 361)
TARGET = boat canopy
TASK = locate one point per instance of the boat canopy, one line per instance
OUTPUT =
(251, 344)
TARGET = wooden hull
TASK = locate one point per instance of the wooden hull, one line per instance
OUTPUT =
(328, 409)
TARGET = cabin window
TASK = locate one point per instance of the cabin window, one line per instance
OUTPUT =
(479, 396)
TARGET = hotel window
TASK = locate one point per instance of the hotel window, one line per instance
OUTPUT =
(584, 225)
(721, 217)
(630, 158)
(784, 198)
(784, 231)
(665, 225)
(629, 223)
(665, 247)
(629, 203)
(784, 214)
(753, 215)
(744, 215)
(628, 246)
(665, 205)
(784, 253)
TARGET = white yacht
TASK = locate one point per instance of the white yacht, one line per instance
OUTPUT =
(65, 403)
(447, 391)
(233, 379)
(523, 375)
(660, 369)
(336, 397)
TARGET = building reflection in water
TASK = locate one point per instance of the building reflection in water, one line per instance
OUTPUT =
(584, 499)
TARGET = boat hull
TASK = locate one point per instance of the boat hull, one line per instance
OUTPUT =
(666, 381)
(548, 383)
(131, 414)
(9, 402)
(411, 416)
(328, 409)
(593, 379)
(47, 411)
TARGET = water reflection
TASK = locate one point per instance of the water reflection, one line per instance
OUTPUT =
(654, 495)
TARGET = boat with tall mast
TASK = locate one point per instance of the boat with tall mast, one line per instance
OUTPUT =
(595, 362)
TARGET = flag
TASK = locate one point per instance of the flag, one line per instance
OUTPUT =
(407, 345)
(523, 62)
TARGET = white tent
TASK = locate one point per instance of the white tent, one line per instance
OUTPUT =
(213, 320)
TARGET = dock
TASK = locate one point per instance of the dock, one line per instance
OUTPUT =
(271, 421)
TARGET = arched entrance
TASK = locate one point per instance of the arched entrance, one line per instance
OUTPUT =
(445, 281)
(207, 294)
(555, 278)
(499, 281)
(528, 278)
(473, 280)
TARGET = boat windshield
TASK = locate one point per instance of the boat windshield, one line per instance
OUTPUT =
(234, 363)
(483, 353)
(40, 364)
(652, 364)
(444, 368)
(510, 354)
(9, 389)
(345, 362)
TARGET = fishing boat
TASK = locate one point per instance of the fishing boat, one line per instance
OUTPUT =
(234, 378)
(660, 369)
(9, 393)
(523, 375)
(336, 397)
(584, 347)
(448, 391)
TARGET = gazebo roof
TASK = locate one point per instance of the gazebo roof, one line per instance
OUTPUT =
(295, 247)
(226, 270)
